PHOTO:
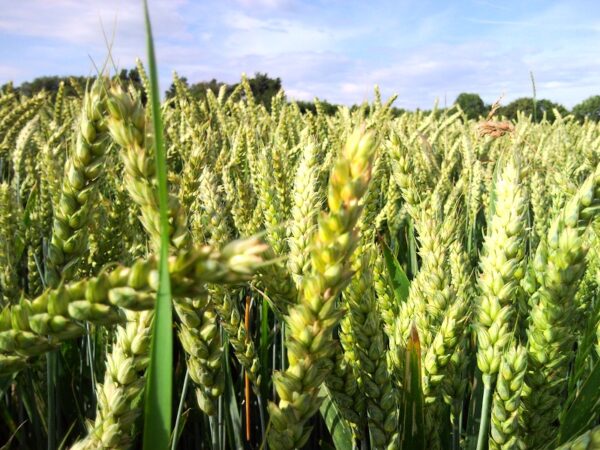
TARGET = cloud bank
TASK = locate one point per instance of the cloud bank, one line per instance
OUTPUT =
(332, 49)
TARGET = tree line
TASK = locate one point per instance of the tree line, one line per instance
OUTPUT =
(264, 88)
(474, 107)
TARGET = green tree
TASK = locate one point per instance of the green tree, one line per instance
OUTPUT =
(199, 90)
(472, 105)
(50, 84)
(544, 108)
(328, 108)
(397, 112)
(132, 76)
(172, 91)
(264, 88)
(588, 109)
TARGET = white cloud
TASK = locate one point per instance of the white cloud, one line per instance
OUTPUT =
(299, 94)
(68, 33)
(79, 22)
(331, 49)
(263, 3)
(249, 35)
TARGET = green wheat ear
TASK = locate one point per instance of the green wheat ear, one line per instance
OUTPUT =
(313, 319)
(502, 268)
(437, 291)
(83, 172)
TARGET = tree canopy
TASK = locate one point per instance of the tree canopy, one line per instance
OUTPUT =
(264, 88)
(588, 109)
(472, 105)
(543, 108)
(324, 106)
(50, 84)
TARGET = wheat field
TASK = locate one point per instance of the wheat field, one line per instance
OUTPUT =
(344, 281)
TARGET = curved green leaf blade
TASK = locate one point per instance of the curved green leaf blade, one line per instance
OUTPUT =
(159, 386)
(398, 278)
(412, 411)
(583, 412)
(336, 424)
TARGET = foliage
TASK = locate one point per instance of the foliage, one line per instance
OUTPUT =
(347, 277)
(588, 109)
(51, 84)
(326, 107)
(263, 88)
(472, 105)
(544, 109)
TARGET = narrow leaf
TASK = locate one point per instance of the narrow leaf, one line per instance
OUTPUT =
(265, 343)
(412, 413)
(398, 278)
(338, 427)
(232, 412)
(583, 412)
(158, 396)
(586, 440)
(29, 208)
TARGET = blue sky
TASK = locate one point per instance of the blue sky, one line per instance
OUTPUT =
(332, 49)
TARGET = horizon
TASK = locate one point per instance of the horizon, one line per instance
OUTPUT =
(336, 51)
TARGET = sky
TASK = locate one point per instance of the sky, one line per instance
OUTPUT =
(336, 50)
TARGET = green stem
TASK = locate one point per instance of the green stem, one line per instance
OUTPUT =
(51, 392)
(460, 424)
(275, 325)
(261, 408)
(221, 424)
(214, 432)
(412, 248)
(283, 347)
(455, 436)
(363, 444)
(264, 348)
(484, 423)
(180, 410)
